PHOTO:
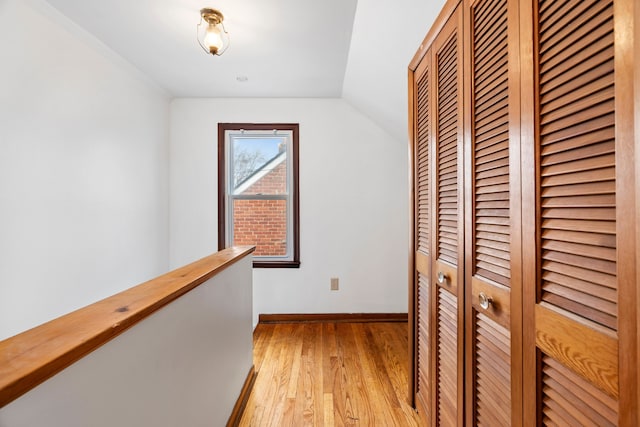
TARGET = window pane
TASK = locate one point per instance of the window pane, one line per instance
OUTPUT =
(259, 165)
(258, 180)
(262, 223)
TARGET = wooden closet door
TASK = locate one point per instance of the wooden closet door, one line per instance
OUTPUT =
(492, 254)
(447, 228)
(579, 324)
(422, 91)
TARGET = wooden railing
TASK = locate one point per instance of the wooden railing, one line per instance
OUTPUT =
(29, 358)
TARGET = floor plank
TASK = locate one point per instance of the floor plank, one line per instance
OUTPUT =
(330, 374)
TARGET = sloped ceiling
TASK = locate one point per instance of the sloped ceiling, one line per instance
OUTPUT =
(386, 35)
(279, 48)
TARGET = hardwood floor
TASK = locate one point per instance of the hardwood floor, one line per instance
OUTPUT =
(330, 374)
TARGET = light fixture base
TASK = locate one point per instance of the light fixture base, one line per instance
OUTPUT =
(211, 16)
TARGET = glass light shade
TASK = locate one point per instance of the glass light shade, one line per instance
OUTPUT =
(212, 36)
(213, 39)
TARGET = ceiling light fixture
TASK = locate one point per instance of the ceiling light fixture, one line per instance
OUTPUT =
(212, 37)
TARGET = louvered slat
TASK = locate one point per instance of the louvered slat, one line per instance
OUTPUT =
(569, 400)
(578, 28)
(493, 373)
(423, 339)
(447, 145)
(491, 149)
(577, 159)
(422, 164)
(447, 358)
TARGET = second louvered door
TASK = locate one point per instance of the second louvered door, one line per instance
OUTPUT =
(492, 251)
(447, 296)
(578, 284)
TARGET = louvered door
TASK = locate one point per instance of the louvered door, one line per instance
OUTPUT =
(575, 302)
(492, 255)
(422, 93)
(547, 259)
(447, 225)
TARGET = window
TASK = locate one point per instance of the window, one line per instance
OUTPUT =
(258, 201)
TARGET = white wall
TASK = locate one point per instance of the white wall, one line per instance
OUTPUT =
(83, 169)
(353, 203)
(182, 366)
(386, 35)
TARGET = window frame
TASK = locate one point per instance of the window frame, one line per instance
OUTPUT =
(294, 193)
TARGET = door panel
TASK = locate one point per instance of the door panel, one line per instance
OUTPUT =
(422, 258)
(492, 373)
(423, 348)
(570, 400)
(578, 258)
(446, 361)
(491, 247)
(448, 226)
(576, 291)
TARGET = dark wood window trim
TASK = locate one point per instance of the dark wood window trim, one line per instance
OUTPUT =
(222, 217)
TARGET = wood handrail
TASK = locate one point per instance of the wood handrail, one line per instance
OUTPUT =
(33, 356)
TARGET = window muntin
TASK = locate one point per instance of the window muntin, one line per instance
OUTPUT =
(259, 199)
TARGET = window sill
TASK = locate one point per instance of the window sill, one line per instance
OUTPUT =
(276, 264)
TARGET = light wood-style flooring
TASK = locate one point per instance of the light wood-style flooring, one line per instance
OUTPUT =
(330, 374)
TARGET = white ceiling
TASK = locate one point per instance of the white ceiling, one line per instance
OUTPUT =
(285, 48)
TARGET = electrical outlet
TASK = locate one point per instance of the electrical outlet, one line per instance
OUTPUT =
(334, 284)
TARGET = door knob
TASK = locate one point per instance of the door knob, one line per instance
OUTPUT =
(442, 278)
(485, 301)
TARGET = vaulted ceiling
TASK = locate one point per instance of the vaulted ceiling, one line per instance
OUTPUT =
(358, 50)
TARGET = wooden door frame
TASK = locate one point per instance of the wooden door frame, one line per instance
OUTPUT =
(626, 102)
(413, 283)
(529, 216)
(635, 53)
